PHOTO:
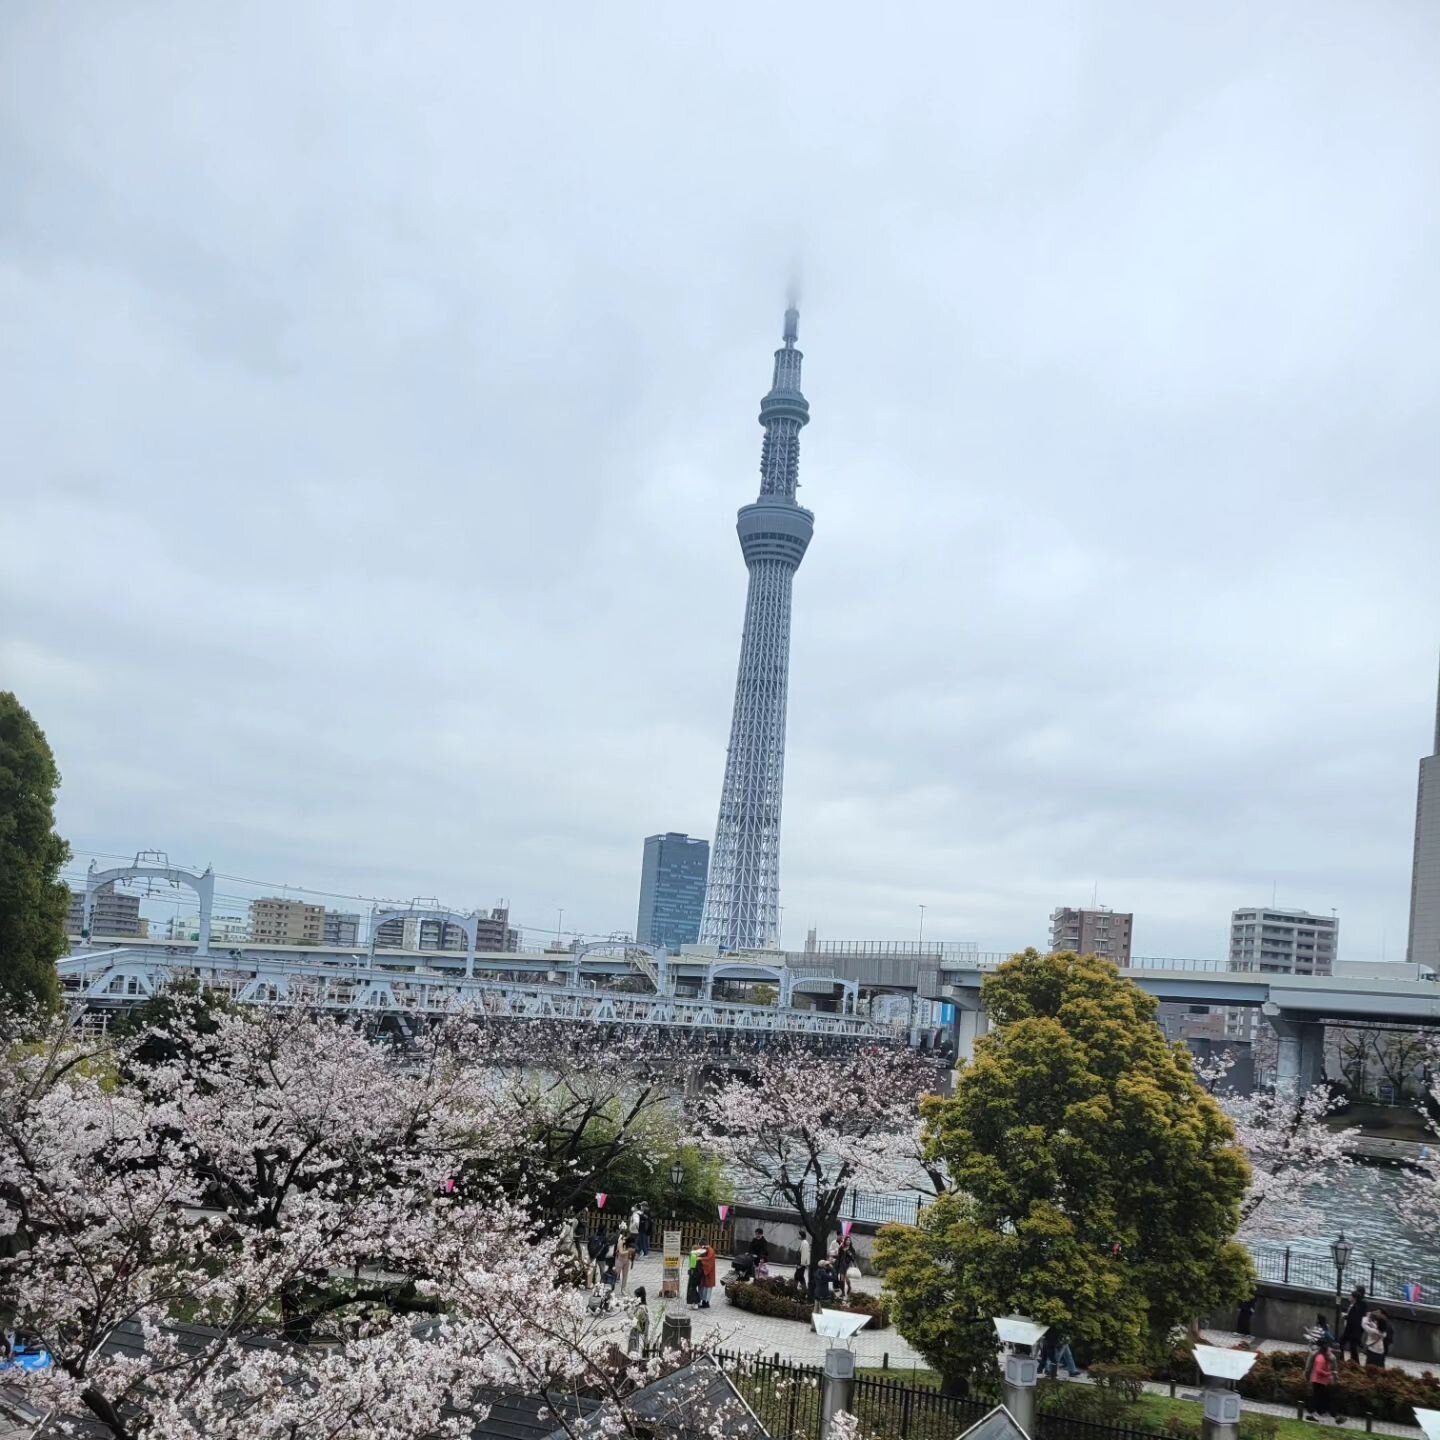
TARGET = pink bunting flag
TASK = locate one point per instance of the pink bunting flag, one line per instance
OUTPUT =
(600, 1198)
(846, 1226)
(724, 1213)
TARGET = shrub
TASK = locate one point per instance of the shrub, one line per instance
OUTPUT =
(1278, 1377)
(1077, 1402)
(1125, 1382)
(1258, 1427)
(780, 1300)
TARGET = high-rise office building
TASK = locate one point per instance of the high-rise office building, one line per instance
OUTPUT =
(274, 921)
(1092, 932)
(113, 912)
(742, 899)
(672, 890)
(1423, 947)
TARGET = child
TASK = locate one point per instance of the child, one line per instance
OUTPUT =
(1321, 1375)
(639, 1324)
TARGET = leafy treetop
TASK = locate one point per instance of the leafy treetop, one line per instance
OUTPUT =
(1097, 1186)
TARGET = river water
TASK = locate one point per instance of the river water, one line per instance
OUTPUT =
(1367, 1203)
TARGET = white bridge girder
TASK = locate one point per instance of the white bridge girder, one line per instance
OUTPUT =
(119, 979)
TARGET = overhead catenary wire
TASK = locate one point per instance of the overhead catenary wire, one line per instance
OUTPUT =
(186, 901)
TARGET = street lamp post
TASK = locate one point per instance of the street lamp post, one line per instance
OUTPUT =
(677, 1179)
(1340, 1253)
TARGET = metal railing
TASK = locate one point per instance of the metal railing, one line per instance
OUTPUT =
(893, 1410)
(784, 1397)
(869, 1207)
(787, 1400)
(1315, 1270)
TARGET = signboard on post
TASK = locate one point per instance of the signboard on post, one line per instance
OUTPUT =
(670, 1266)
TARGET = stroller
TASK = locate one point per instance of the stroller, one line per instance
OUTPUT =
(601, 1300)
(742, 1267)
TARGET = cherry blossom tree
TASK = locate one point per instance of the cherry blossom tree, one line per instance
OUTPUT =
(1291, 1147)
(1418, 1200)
(807, 1127)
(257, 1232)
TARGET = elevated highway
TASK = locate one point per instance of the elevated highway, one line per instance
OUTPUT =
(1298, 1007)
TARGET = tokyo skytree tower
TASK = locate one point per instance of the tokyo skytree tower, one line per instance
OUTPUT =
(742, 898)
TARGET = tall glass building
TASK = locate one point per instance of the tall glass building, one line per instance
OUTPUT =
(672, 890)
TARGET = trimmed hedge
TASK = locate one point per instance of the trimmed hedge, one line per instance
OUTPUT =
(1278, 1376)
(780, 1300)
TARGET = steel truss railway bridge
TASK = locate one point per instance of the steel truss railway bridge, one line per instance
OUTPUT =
(617, 985)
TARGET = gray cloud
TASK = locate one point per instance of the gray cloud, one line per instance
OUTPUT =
(379, 391)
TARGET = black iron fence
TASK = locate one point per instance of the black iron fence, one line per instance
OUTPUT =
(786, 1398)
(867, 1206)
(1274, 1261)
(892, 1410)
(1315, 1270)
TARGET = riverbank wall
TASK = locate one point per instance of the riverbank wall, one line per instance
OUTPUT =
(1285, 1312)
(1282, 1312)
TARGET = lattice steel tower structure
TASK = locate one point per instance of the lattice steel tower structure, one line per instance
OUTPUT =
(742, 898)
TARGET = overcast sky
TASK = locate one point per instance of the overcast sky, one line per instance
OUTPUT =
(379, 387)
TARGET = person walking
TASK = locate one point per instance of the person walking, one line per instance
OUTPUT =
(597, 1247)
(1061, 1355)
(633, 1226)
(707, 1275)
(639, 1338)
(644, 1229)
(624, 1259)
(844, 1263)
(1321, 1374)
(806, 1271)
(1352, 1328)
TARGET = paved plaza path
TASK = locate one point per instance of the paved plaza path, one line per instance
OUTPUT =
(730, 1328)
(727, 1326)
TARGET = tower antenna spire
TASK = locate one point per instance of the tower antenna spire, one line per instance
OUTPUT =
(742, 896)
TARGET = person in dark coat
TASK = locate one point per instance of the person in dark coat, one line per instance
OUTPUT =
(760, 1246)
(1352, 1329)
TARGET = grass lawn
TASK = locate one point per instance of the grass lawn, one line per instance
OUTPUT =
(1152, 1411)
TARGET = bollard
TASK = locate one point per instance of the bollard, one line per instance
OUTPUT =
(837, 1387)
(675, 1334)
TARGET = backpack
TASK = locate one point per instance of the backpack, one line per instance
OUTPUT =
(595, 1245)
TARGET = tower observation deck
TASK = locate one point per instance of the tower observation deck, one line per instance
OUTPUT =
(742, 897)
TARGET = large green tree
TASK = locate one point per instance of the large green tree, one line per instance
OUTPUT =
(33, 900)
(1097, 1185)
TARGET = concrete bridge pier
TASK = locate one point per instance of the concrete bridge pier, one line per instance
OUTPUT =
(1300, 1048)
(972, 1021)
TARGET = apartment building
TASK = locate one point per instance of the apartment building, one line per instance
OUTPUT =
(274, 921)
(114, 912)
(342, 928)
(1092, 932)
